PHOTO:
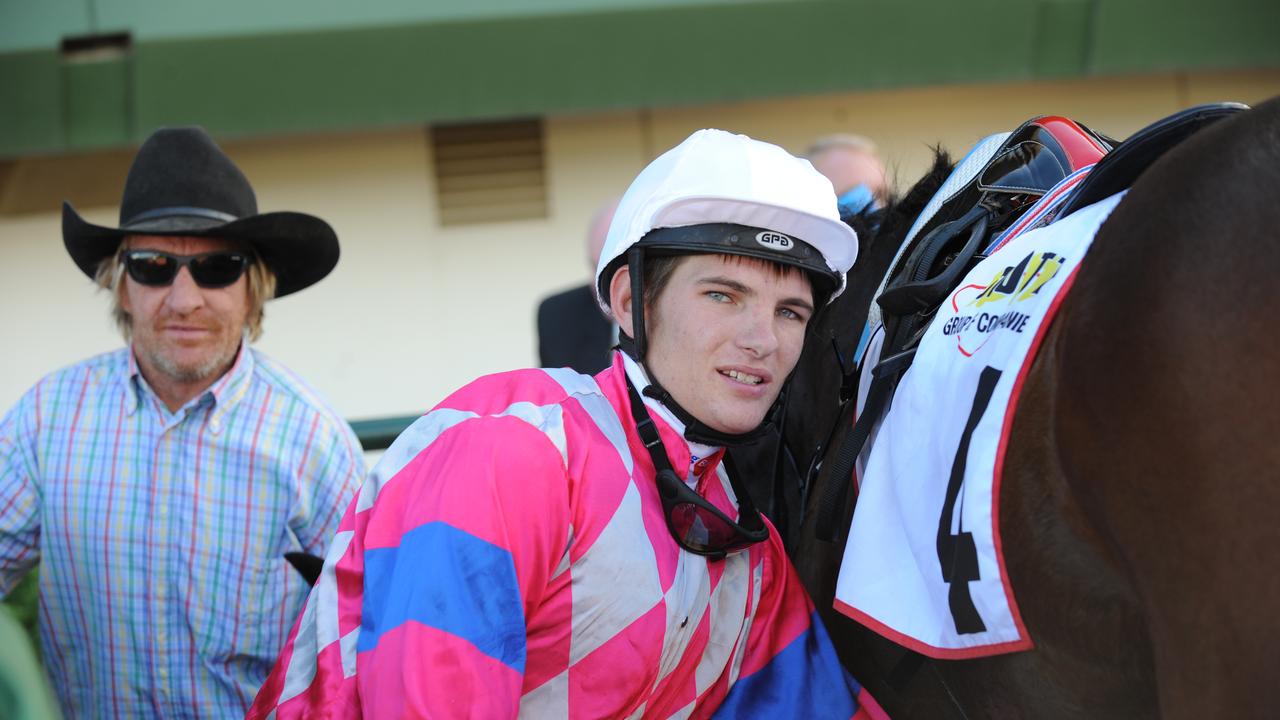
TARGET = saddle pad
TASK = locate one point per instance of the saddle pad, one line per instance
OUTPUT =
(922, 564)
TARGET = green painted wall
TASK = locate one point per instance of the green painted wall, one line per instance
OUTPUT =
(318, 66)
(35, 24)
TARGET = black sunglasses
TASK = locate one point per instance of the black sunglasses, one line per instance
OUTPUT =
(156, 268)
(695, 523)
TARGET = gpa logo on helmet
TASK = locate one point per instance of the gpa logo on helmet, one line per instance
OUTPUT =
(775, 241)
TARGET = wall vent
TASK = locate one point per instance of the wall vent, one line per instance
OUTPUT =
(489, 172)
(96, 48)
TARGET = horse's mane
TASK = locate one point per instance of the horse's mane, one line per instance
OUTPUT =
(820, 370)
(896, 219)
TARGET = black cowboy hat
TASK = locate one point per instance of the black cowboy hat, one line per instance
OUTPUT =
(181, 183)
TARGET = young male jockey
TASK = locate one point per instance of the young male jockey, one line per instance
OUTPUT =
(548, 544)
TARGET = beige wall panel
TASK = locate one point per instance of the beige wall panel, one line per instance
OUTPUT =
(415, 310)
(53, 315)
(906, 123)
(1247, 87)
(592, 160)
(376, 191)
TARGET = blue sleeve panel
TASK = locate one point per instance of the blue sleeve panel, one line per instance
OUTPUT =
(450, 580)
(805, 680)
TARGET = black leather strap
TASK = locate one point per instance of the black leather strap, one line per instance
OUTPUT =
(1118, 169)
(648, 432)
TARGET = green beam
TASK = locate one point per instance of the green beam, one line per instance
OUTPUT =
(1062, 37)
(43, 24)
(379, 433)
(29, 24)
(31, 103)
(651, 55)
(1162, 35)
(97, 106)
(445, 72)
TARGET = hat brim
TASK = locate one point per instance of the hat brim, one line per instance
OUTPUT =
(300, 249)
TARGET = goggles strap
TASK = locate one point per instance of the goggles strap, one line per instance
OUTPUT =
(648, 431)
(698, 432)
(748, 516)
(695, 430)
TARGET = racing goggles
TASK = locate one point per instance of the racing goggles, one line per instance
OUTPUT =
(695, 523)
(699, 526)
(156, 268)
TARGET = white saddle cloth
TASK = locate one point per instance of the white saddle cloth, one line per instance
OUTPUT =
(946, 430)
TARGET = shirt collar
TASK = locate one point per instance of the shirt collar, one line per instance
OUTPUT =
(223, 394)
(228, 390)
(133, 385)
(697, 451)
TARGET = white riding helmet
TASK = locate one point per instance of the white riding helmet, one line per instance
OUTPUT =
(750, 197)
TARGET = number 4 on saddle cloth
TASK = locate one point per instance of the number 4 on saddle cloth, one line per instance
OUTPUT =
(975, 282)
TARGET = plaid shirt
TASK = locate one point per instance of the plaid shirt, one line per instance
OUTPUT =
(160, 536)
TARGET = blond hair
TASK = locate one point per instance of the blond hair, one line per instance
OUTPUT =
(261, 279)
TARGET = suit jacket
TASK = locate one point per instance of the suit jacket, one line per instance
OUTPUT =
(572, 332)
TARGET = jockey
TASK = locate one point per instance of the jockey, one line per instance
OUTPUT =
(549, 544)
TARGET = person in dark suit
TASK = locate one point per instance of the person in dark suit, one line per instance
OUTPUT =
(572, 331)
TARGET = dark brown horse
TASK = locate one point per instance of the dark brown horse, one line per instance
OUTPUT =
(1141, 489)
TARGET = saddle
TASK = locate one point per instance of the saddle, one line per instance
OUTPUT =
(945, 244)
(979, 206)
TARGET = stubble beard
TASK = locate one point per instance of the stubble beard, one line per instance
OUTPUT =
(210, 367)
(192, 372)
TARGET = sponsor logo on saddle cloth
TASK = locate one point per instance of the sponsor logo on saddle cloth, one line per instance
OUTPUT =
(922, 565)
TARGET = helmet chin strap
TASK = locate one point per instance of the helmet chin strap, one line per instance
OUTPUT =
(695, 430)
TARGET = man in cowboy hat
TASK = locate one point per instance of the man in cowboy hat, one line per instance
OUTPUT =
(160, 486)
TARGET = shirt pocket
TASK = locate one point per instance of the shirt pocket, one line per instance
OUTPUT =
(234, 608)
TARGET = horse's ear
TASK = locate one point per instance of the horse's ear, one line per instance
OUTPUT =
(620, 300)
